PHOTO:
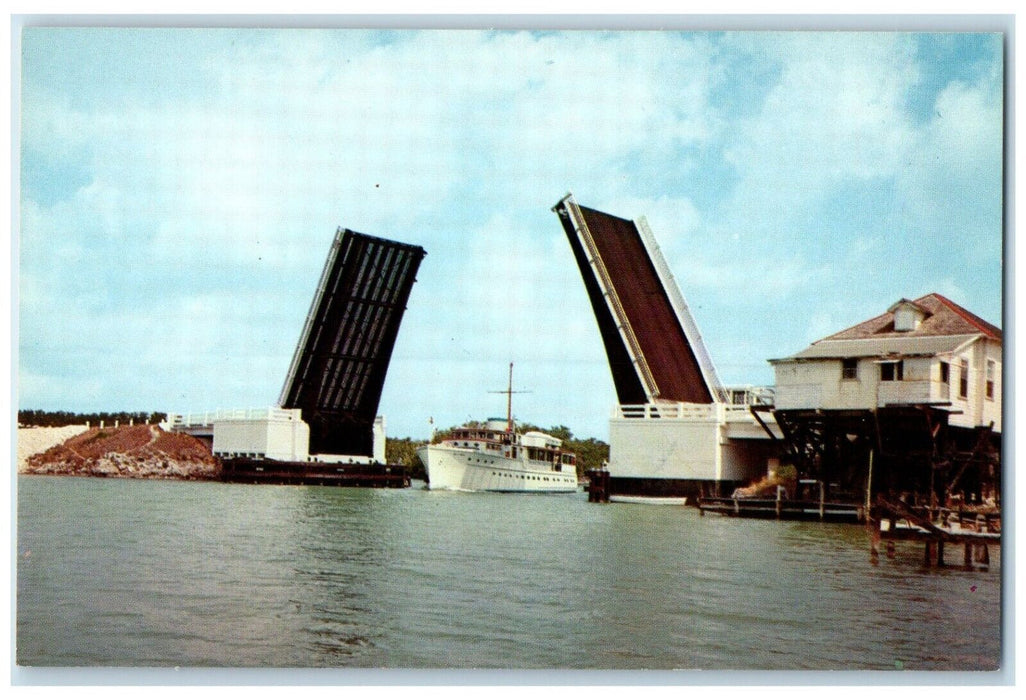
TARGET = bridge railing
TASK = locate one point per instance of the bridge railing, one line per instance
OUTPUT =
(185, 421)
(740, 399)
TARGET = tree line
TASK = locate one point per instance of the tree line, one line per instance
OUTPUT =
(591, 453)
(57, 419)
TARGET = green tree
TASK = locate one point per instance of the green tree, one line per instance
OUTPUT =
(404, 451)
(56, 419)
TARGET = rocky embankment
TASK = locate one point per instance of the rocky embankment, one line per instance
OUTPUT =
(133, 451)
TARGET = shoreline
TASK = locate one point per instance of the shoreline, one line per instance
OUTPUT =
(126, 452)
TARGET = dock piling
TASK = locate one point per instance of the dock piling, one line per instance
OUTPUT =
(598, 486)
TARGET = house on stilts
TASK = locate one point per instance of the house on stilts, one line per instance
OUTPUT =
(906, 405)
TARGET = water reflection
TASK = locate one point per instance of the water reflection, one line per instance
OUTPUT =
(173, 573)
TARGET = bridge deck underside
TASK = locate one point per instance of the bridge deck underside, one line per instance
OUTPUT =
(341, 364)
(647, 310)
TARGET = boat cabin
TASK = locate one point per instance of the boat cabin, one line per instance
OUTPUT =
(494, 437)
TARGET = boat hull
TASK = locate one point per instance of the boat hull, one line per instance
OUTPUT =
(650, 500)
(455, 469)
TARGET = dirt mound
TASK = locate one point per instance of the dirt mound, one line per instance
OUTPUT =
(766, 487)
(133, 451)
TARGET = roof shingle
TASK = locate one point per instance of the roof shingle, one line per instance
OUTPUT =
(944, 317)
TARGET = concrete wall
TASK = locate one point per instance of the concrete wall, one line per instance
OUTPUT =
(748, 460)
(379, 440)
(672, 448)
(669, 449)
(270, 438)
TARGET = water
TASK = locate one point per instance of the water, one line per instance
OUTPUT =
(166, 573)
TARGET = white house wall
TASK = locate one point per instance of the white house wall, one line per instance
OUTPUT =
(817, 383)
(976, 408)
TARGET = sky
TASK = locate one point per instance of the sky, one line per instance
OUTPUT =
(180, 189)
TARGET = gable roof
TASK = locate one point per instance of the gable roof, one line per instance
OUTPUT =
(892, 345)
(943, 317)
(945, 329)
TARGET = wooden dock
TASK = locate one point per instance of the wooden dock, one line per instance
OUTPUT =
(936, 528)
(783, 509)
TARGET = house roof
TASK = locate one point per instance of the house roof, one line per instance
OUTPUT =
(896, 345)
(943, 317)
(945, 328)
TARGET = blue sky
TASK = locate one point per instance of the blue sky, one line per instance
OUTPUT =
(180, 189)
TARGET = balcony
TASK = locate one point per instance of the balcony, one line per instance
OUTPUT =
(908, 392)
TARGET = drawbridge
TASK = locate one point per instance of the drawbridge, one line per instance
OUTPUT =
(338, 370)
(651, 339)
(677, 431)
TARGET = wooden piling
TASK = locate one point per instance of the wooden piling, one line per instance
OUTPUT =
(598, 486)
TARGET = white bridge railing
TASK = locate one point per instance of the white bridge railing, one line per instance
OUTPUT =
(605, 282)
(185, 421)
(682, 310)
(666, 411)
(739, 408)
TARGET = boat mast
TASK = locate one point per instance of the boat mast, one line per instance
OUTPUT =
(510, 428)
(509, 401)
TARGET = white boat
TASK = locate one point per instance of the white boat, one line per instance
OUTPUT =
(650, 500)
(496, 457)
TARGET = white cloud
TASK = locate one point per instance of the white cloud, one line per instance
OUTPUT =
(956, 166)
(836, 113)
(218, 204)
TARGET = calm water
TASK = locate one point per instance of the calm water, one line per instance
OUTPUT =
(149, 573)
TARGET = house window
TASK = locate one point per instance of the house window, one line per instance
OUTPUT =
(991, 371)
(963, 379)
(892, 371)
(850, 369)
(945, 380)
